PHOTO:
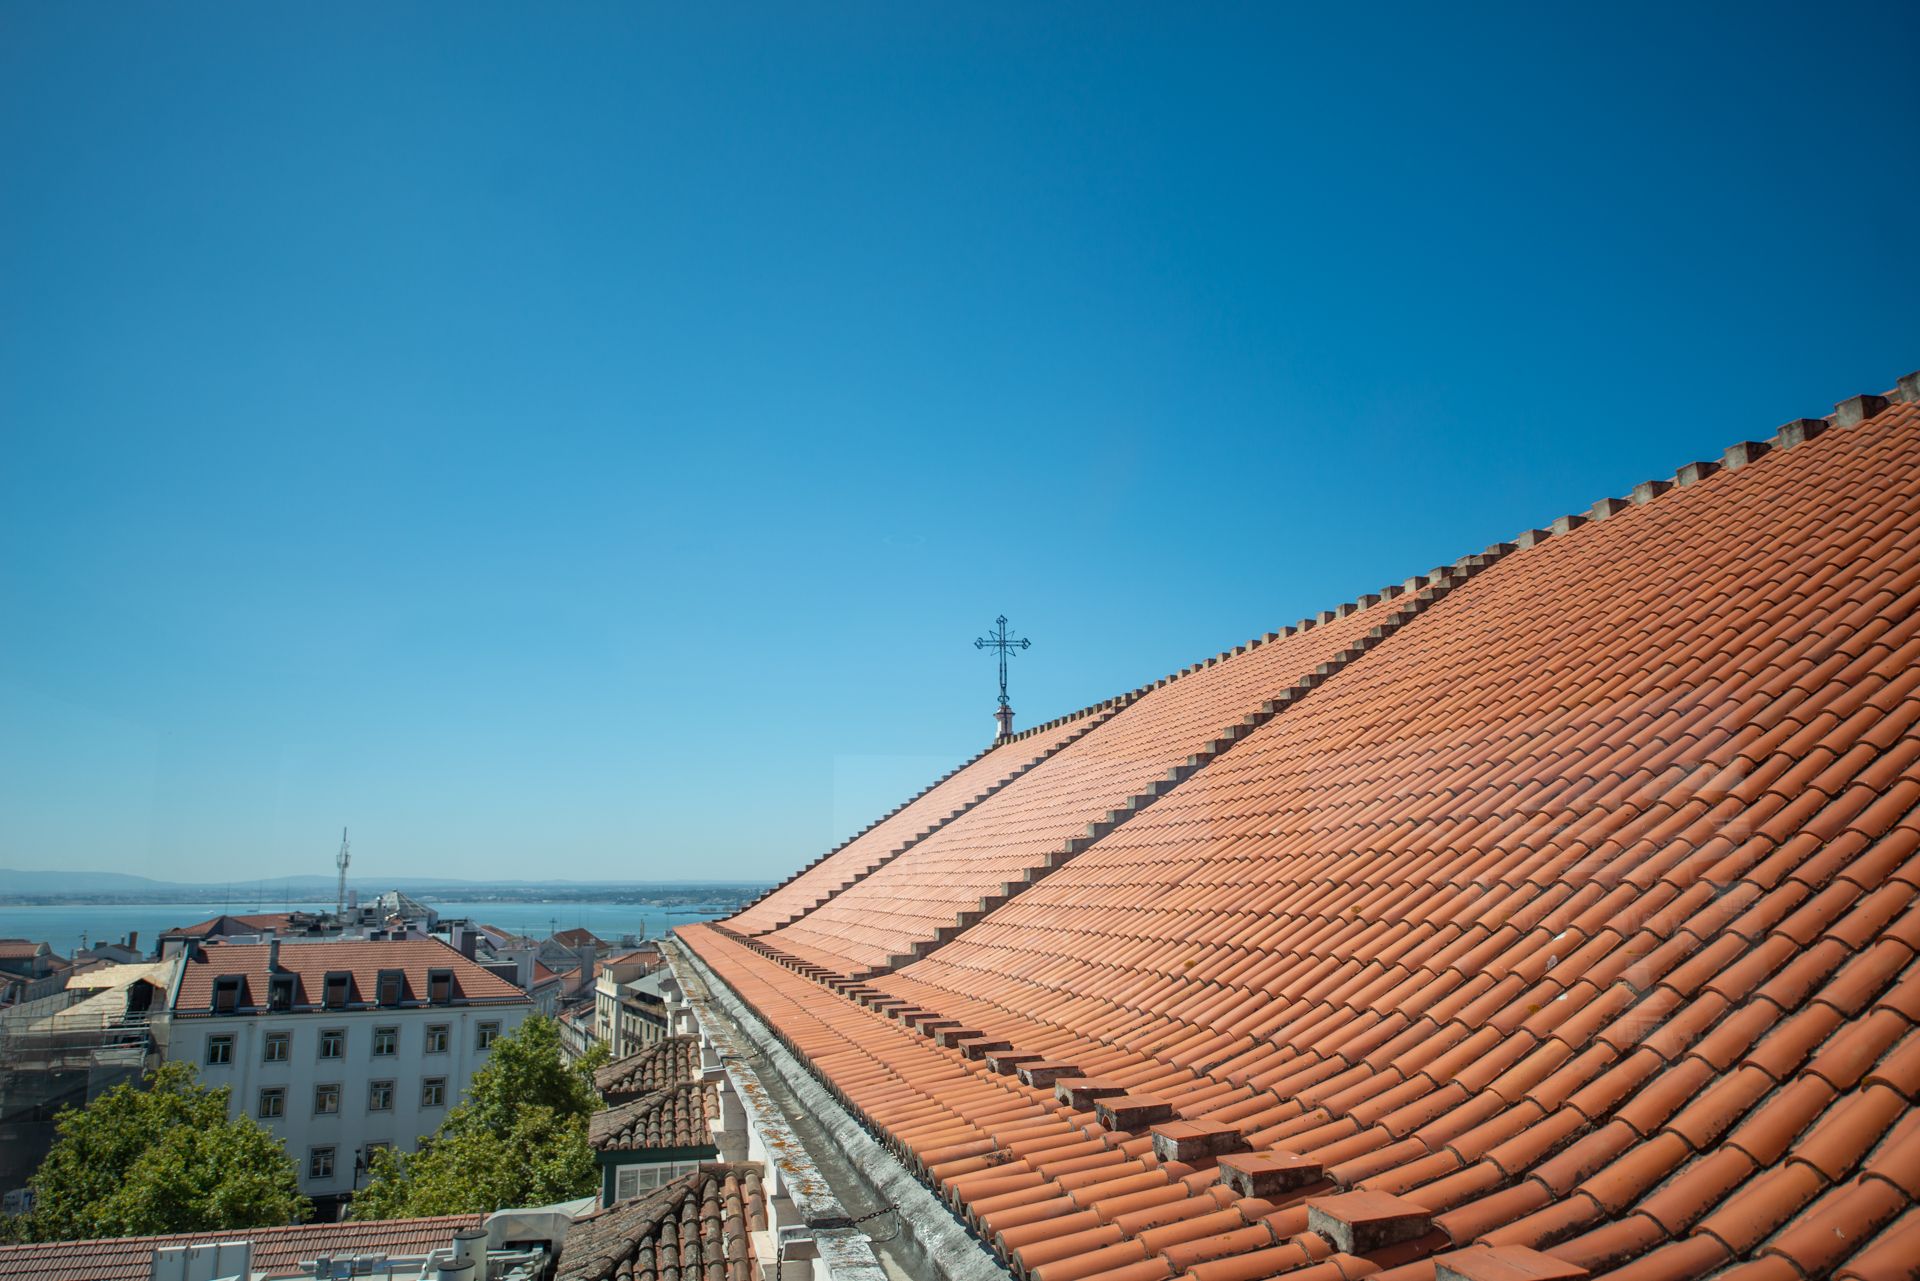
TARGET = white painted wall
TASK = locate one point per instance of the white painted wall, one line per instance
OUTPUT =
(354, 1126)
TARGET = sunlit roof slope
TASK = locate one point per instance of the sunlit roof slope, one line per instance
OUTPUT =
(1569, 930)
(938, 804)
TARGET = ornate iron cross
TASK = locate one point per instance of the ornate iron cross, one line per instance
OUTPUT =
(1000, 640)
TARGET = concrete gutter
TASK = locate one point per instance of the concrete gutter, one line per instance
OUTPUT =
(850, 1178)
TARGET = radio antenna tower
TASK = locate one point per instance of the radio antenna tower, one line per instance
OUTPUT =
(341, 861)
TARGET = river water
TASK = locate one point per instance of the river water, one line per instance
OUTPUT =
(64, 925)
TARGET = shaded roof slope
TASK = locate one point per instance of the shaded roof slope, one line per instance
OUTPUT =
(1576, 924)
(938, 804)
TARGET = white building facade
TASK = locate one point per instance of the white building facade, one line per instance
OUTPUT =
(340, 1048)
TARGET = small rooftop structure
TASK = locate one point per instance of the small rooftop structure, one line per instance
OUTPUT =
(700, 1225)
(660, 1065)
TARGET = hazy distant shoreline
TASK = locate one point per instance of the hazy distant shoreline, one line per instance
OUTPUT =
(246, 894)
(67, 926)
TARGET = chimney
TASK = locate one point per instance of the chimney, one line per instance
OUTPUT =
(1004, 715)
(468, 941)
(273, 956)
(133, 940)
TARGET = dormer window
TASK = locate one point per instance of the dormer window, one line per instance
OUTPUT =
(226, 994)
(392, 984)
(338, 983)
(280, 992)
(440, 986)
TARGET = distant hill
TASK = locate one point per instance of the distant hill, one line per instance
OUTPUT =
(68, 882)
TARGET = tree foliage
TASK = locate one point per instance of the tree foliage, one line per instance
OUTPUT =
(519, 1138)
(160, 1157)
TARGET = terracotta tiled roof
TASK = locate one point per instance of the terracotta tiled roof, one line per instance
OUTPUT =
(662, 1064)
(694, 1227)
(18, 949)
(274, 1249)
(673, 1117)
(310, 963)
(228, 924)
(1017, 835)
(1575, 925)
(577, 937)
(938, 804)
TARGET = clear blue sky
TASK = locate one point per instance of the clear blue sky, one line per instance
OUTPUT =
(583, 440)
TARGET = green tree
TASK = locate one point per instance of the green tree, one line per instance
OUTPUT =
(519, 1138)
(162, 1157)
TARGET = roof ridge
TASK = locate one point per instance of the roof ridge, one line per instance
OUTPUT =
(1850, 412)
(1105, 712)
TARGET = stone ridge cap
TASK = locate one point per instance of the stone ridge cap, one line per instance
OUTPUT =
(1850, 412)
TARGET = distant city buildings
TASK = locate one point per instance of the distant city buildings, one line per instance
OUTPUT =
(630, 1011)
(699, 1174)
(338, 1032)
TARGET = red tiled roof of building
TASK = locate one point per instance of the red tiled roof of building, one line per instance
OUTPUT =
(696, 1226)
(1577, 923)
(363, 960)
(662, 1064)
(1023, 831)
(19, 949)
(578, 937)
(940, 803)
(259, 923)
(279, 1249)
(674, 1117)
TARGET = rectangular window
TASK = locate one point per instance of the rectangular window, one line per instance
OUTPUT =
(632, 1180)
(386, 1041)
(380, 1096)
(280, 992)
(439, 986)
(489, 1033)
(391, 984)
(433, 1092)
(326, 1100)
(437, 1039)
(219, 1050)
(226, 994)
(273, 1103)
(319, 1163)
(333, 1042)
(274, 1048)
(338, 983)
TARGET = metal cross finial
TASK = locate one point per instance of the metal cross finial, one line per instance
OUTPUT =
(1000, 640)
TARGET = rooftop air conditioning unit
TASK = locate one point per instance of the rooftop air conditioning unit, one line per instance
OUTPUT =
(210, 1261)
